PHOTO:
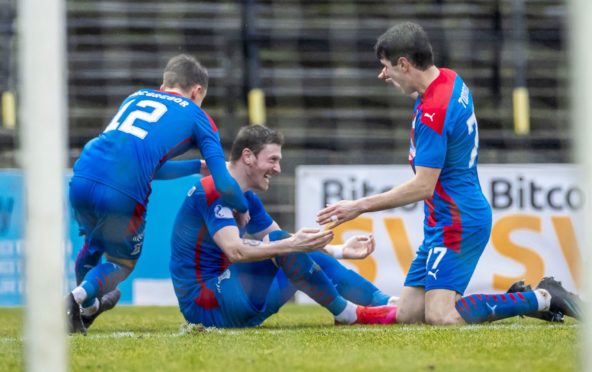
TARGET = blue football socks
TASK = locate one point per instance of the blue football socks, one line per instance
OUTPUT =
(479, 308)
(101, 279)
(85, 261)
(306, 275)
(351, 285)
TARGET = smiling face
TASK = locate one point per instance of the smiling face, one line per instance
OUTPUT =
(398, 75)
(264, 165)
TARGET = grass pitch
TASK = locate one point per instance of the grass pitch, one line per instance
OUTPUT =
(303, 338)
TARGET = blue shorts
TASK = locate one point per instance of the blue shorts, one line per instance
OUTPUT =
(223, 302)
(111, 221)
(438, 267)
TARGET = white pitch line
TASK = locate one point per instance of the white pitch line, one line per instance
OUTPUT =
(342, 329)
(355, 329)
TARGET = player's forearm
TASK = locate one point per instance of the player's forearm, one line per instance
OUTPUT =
(178, 168)
(409, 192)
(254, 250)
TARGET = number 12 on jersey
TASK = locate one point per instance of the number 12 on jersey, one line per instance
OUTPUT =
(126, 123)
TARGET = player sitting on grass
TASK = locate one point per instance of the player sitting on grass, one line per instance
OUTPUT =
(224, 279)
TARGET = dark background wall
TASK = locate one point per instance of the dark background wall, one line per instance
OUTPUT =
(318, 70)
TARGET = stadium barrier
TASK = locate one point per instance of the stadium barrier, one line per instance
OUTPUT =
(537, 222)
(537, 227)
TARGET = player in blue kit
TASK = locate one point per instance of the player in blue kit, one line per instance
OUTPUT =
(443, 154)
(228, 276)
(111, 184)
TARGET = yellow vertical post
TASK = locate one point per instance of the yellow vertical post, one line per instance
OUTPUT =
(256, 103)
(521, 111)
(8, 110)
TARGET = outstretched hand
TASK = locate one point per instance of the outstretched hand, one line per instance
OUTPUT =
(338, 213)
(310, 239)
(358, 247)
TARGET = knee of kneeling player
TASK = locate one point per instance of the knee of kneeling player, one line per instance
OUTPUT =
(406, 315)
(443, 317)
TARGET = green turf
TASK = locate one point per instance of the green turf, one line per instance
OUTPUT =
(303, 338)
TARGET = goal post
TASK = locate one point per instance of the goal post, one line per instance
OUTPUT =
(41, 30)
(581, 126)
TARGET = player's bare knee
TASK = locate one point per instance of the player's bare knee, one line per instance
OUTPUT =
(408, 318)
(409, 315)
(436, 319)
(411, 305)
(440, 318)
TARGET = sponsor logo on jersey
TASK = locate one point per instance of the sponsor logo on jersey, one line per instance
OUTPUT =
(433, 273)
(225, 275)
(137, 249)
(223, 212)
(430, 116)
(139, 238)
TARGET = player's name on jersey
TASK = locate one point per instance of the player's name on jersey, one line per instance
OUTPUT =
(182, 102)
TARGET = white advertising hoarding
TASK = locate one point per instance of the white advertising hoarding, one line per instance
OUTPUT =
(537, 222)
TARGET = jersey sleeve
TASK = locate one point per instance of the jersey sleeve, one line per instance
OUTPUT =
(171, 169)
(216, 216)
(209, 144)
(260, 219)
(430, 147)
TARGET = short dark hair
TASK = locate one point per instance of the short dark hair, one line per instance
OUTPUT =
(254, 138)
(407, 40)
(184, 72)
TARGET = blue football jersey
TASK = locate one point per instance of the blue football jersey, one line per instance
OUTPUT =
(150, 128)
(195, 257)
(444, 135)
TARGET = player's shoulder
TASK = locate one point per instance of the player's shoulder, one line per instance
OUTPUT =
(252, 196)
(255, 203)
(438, 93)
(440, 99)
(206, 188)
(206, 118)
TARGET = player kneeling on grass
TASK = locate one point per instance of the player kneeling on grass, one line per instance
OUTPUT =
(443, 154)
(223, 279)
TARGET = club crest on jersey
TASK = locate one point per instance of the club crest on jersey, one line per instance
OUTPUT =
(222, 212)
